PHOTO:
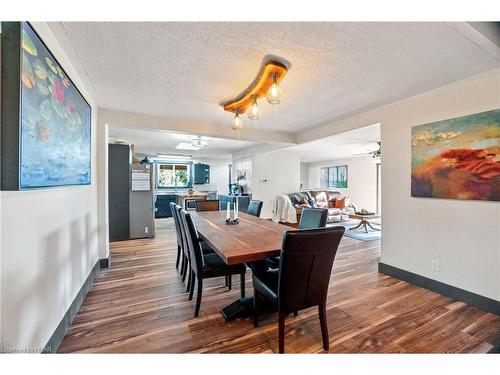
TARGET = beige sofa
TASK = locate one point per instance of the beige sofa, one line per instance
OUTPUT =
(338, 207)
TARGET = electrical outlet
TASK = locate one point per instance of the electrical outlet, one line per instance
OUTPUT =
(435, 265)
(146, 230)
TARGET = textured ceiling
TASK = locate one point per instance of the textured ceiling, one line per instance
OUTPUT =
(163, 142)
(340, 146)
(183, 70)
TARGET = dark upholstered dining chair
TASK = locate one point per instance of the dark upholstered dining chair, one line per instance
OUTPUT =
(207, 205)
(313, 218)
(205, 266)
(178, 234)
(184, 250)
(185, 269)
(302, 279)
(211, 205)
(254, 207)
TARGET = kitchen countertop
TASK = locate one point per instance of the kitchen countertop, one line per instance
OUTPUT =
(185, 194)
(194, 195)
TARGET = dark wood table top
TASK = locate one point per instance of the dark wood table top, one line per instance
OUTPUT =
(252, 239)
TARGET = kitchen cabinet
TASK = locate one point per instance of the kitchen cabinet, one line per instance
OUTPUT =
(162, 205)
(201, 174)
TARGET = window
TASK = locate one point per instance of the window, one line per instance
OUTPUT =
(334, 177)
(174, 175)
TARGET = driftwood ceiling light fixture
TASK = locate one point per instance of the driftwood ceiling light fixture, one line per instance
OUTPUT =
(266, 84)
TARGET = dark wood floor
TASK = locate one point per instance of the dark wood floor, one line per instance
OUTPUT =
(139, 305)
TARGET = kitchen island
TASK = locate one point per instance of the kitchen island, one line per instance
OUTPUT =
(182, 198)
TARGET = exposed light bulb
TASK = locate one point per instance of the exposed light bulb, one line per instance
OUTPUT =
(254, 111)
(274, 94)
(237, 123)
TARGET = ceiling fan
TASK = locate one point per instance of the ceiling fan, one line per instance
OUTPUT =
(375, 154)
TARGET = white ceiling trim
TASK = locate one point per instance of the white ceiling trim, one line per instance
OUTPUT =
(143, 121)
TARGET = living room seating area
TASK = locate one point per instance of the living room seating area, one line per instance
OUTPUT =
(339, 207)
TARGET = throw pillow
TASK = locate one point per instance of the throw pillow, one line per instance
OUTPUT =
(321, 197)
(332, 195)
(304, 201)
(343, 203)
(322, 204)
(332, 203)
(340, 203)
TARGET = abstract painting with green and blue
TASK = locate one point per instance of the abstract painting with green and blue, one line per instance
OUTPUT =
(55, 120)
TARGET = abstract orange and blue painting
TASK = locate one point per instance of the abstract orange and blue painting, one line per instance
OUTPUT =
(457, 158)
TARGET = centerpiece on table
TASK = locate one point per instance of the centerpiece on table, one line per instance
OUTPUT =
(234, 220)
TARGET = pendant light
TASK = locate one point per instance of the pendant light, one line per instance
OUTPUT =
(266, 84)
(237, 122)
(254, 111)
(275, 93)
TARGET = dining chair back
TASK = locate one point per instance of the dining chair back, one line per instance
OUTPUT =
(305, 267)
(313, 218)
(302, 279)
(193, 242)
(177, 232)
(184, 247)
(207, 205)
(255, 207)
(205, 266)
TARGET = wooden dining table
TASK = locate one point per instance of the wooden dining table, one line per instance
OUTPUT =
(250, 240)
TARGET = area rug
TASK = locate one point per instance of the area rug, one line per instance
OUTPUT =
(360, 233)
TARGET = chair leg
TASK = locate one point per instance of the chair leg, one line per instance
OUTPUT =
(191, 290)
(198, 296)
(181, 267)
(295, 313)
(186, 266)
(225, 277)
(324, 326)
(177, 259)
(230, 282)
(242, 285)
(281, 332)
(255, 308)
(190, 273)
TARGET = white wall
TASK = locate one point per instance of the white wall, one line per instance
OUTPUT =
(463, 235)
(276, 172)
(361, 180)
(304, 174)
(49, 244)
